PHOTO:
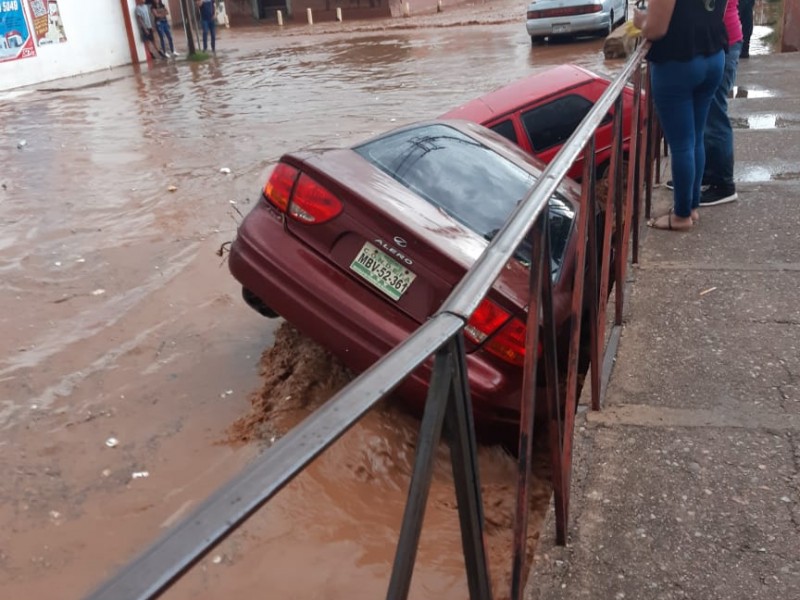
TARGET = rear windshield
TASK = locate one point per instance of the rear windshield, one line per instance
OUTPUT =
(467, 180)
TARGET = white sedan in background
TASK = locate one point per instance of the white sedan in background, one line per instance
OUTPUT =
(549, 18)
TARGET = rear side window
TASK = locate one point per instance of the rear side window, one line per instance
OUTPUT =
(551, 124)
(506, 129)
(467, 180)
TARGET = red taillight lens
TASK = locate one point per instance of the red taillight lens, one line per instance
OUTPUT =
(509, 343)
(312, 203)
(278, 189)
(486, 319)
(509, 340)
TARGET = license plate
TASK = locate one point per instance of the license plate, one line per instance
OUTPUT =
(564, 28)
(385, 273)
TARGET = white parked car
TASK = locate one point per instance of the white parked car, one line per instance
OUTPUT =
(549, 18)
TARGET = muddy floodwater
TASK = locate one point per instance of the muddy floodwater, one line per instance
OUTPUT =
(133, 379)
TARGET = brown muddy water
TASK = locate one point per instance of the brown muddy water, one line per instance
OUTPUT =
(133, 379)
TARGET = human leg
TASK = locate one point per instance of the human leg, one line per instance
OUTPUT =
(160, 30)
(164, 33)
(672, 86)
(212, 24)
(205, 34)
(168, 33)
(718, 133)
(746, 17)
(711, 68)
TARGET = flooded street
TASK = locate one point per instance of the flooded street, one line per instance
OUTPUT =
(133, 378)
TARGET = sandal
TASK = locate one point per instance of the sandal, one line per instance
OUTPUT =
(665, 222)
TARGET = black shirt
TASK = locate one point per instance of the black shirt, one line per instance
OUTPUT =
(696, 28)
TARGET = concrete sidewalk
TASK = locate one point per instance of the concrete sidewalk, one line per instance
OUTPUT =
(687, 483)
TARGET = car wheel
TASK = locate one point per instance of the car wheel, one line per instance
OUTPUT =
(537, 40)
(257, 304)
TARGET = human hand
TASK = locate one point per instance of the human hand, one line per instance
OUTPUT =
(639, 17)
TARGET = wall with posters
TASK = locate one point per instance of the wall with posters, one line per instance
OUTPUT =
(42, 40)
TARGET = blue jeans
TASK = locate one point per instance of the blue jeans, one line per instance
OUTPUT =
(718, 132)
(682, 93)
(209, 26)
(164, 31)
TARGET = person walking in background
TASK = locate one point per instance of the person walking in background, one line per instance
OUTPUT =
(746, 17)
(145, 21)
(208, 14)
(161, 16)
(686, 58)
(718, 173)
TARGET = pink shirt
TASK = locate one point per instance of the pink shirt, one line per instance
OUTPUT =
(732, 23)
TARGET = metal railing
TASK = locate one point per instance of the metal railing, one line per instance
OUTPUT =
(448, 404)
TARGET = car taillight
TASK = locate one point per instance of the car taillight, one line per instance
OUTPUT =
(278, 189)
(486, 319)
(509, 343)
(301, 198)
(313, 204)
(504, 336)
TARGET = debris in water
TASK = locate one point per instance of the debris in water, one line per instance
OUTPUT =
(708, 291)
(112, 442)
(225, 171)
(140, 474)
(172, 188)
(21, 144)
(217, 559)
(98, 292)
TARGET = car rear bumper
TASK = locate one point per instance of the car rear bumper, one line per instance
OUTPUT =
(567, 25)
(343, 315)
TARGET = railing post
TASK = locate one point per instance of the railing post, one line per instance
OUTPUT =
(626, 216)
(466, 476)
(538, 269)
(571, 395)
(429, 433)
(615, 187)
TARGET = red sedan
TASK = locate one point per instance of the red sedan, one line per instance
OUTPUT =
(357, 247)
(541, 111)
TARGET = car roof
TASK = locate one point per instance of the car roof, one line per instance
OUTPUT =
(523, 91)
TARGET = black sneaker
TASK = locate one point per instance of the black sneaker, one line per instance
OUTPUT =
(703, 187)
(715, 195)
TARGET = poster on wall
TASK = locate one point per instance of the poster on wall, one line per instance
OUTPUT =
(15, 36)
(47, 25)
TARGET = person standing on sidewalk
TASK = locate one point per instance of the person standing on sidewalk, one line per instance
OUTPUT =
(161, 16)
(686, 58)
(208, 18)
(718, 175)
(746, 8)
(145, 21)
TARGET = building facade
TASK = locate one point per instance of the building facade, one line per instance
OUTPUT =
(43, 40)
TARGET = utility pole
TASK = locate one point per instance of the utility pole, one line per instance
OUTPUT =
(187, 26)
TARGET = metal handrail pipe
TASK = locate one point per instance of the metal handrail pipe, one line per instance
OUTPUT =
(219, 515)
(469, 292)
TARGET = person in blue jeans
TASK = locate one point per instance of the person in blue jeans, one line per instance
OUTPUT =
(686, 59)
(161, 16)
(208, 19)
(718, 174)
